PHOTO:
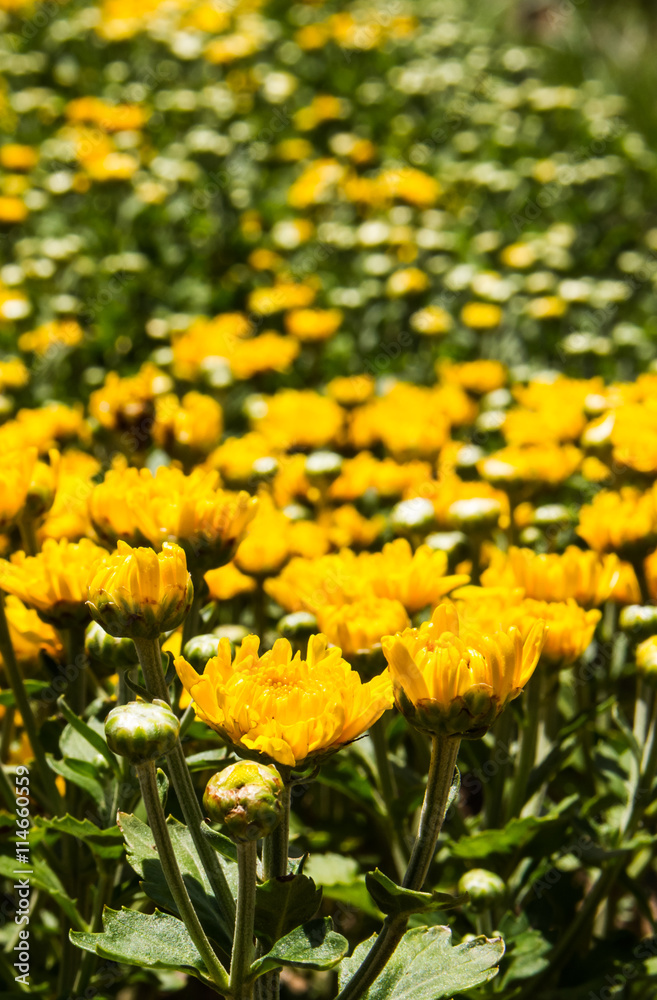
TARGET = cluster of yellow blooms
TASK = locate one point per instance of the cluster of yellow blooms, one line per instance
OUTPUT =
(287, 524)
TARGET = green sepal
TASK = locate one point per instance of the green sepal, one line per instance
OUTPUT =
(395, 900)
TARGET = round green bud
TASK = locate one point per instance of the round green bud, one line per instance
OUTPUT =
(417, 514)
(639, 620)
(115, 654)
(478, 512)
(234, 633)
(530, 536)
(446, 541)
(264, 469)
(297, 625)
(323, 466)
(200, 649)
(552, 514)
(646, 659)
(246, 798)
(484, 888)
(141, 730)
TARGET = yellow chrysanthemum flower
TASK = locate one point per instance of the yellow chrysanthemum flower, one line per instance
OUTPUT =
(386, 477)
(270, 352)
(16, 474)
(235, 457)
(298, 419)
(193, 423)
(569, 628)
(313, 324)
(266, 301)
(481, 315)
(584, 576)
(56, 334)
(132, 504)
(227, 582)
(478, 377)
(351, 390)
(29, 634)
(13, 374)
(616, 521)
(266, 544)
(454, 680)
(289, 710)
(548, 463)
(646, 657)
(417, 579)
(138, 593)
(54, 582)
(432, 321)
(359, 627)
(123, 402)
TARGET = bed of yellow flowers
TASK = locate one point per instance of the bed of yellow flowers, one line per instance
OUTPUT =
(328, 505)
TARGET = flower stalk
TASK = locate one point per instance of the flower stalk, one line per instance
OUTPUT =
(243, 950)
(439, 782)
(15, 677)
(150, 658)
(148, 783)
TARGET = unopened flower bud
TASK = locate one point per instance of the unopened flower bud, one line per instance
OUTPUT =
(200, 649)
(639, 620)
(139, 593)
(484, 888)
(646, 659)
(298, 625)
(247, 798)
(408, 516)
(113, 653)
(476, 513)
(141, 730)
(322, 467)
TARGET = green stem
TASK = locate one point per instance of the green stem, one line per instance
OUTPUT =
(546, 730)
(639, 799)
(15, 677)
(7, 733)
(6, 791)
(494, 800)
(527, 753)
(388, 788)
(150, 659)
(191, 622)
(439, 783)
(274, 865)
(77, 658)
(166, 853)
(242, 955)
(28, 535)
(102, 894)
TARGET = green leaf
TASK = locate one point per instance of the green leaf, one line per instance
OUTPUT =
(284, 903)
(150, 940)
(33, 689)
(43, 877)
(314, 945)
(209, 759)
(106, 844)
(222, 844)
(84, 775)
(144, 858)
(162, 787)
(516, 834)
(341, 879)
(527, 957)
(394, 900)
(426, 966)
(91, 735)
